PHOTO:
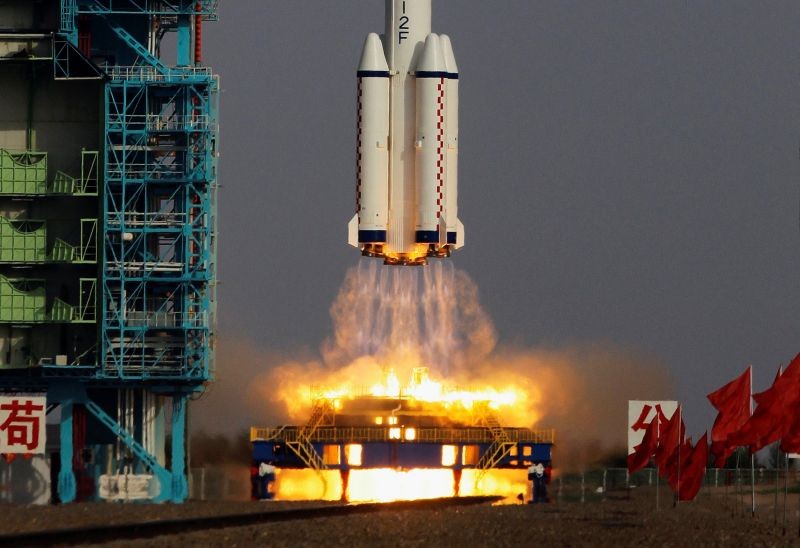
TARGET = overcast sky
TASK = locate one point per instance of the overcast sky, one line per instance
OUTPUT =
(628, 174)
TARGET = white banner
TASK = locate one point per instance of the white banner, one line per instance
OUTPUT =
(22, 424)
(640, 413)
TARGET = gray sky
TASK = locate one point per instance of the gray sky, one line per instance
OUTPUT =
(628, 173)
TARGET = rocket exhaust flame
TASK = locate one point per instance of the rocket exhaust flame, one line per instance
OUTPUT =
(407, 337)
(385, 485)
(410, 333)
(431, 317)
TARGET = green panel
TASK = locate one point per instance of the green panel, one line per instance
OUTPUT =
(90, 163)
(61, 312)
(62, 252)
(21, 301)
(22, 241)
(86, 311)
(63, 184)
(23, 172)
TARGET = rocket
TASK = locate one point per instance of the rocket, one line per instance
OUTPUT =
(407, 150)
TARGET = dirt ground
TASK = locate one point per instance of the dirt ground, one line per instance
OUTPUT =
(616, 519)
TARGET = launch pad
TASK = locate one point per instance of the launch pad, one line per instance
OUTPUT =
(400, 432)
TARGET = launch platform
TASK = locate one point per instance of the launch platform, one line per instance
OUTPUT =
(402, 433)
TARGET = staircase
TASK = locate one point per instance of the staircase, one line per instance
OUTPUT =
(136, 46)
(323, 408)
(499, 449)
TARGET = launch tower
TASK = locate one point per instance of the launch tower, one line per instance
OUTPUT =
(107, 234)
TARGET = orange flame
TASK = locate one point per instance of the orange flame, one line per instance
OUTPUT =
(424, 389)
(386, 485)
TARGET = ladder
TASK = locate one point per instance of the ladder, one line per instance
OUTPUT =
(68, 11)
(302, 447)
(136, 46)
(499, 449)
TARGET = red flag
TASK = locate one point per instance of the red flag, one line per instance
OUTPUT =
(769, 421)
(790, 443)
(677, 464)
(669, 439)
(692, 479)
(642, 452)
(764, 398)
(732, 403)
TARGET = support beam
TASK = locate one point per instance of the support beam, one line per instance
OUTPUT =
(66, 477)
(180, 488)
(184, 40)
(163, 476)
(30, 136)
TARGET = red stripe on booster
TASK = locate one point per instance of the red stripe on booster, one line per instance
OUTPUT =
(440, 149)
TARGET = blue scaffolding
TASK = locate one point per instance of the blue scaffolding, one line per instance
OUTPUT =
(156, 274)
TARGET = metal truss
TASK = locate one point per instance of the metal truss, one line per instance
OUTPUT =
(153, 242)
(158, 226)
(206, 8)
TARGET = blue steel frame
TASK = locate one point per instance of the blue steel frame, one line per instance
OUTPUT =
(401, 455)
(158, 270)
(158, 216)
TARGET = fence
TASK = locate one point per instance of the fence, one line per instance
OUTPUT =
(594, 485)
(219, 483)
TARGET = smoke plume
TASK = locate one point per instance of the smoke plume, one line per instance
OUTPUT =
(400, 318)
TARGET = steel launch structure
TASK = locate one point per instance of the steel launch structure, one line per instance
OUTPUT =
(108, 180)
(400, 432)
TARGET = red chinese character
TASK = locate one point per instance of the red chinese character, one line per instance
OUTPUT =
(640, 423)
(22, 425)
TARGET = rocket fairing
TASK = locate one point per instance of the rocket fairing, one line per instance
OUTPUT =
(407, 168)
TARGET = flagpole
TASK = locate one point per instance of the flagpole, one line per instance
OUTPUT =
(658, 426)
(752, 455)
(676, 495)
(725, 479)
(657, 490)
(739, 505)
(777, 485)
(785, 491)
(752, 484)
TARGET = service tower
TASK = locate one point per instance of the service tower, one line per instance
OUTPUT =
(107, 241)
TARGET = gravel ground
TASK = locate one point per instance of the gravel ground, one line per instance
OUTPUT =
(19, 519)
(712, 520)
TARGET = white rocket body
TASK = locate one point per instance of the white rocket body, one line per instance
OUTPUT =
(407, 141)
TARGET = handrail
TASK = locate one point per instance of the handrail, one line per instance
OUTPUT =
(159, 122)
(150, 74)
(348, 434)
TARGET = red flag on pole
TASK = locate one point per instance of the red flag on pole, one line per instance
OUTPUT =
(670, 438)
(675, 468)
(642, 452)
(791, 438)
(692, 478)
(764, 398)
(732, 403)
(770, 421)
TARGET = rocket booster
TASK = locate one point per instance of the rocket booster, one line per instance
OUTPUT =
(407, 168)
